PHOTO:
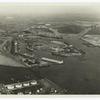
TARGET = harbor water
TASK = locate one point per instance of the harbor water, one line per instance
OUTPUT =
(79, 75)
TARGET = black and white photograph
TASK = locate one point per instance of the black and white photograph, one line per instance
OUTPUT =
(49, 48)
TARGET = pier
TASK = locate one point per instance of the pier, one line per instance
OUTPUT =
(52, 60)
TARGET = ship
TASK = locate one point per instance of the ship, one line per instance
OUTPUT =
(52, 60)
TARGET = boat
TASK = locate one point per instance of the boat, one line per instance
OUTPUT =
(52, 60)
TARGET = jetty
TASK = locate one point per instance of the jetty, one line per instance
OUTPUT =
(52, 60)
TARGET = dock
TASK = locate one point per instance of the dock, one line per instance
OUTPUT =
(52, 60)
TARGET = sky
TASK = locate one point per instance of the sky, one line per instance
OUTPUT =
(50, 9)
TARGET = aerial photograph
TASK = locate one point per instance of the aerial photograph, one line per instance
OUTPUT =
(49, 48)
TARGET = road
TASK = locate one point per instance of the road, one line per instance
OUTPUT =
(7, 59)
(79, 35)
